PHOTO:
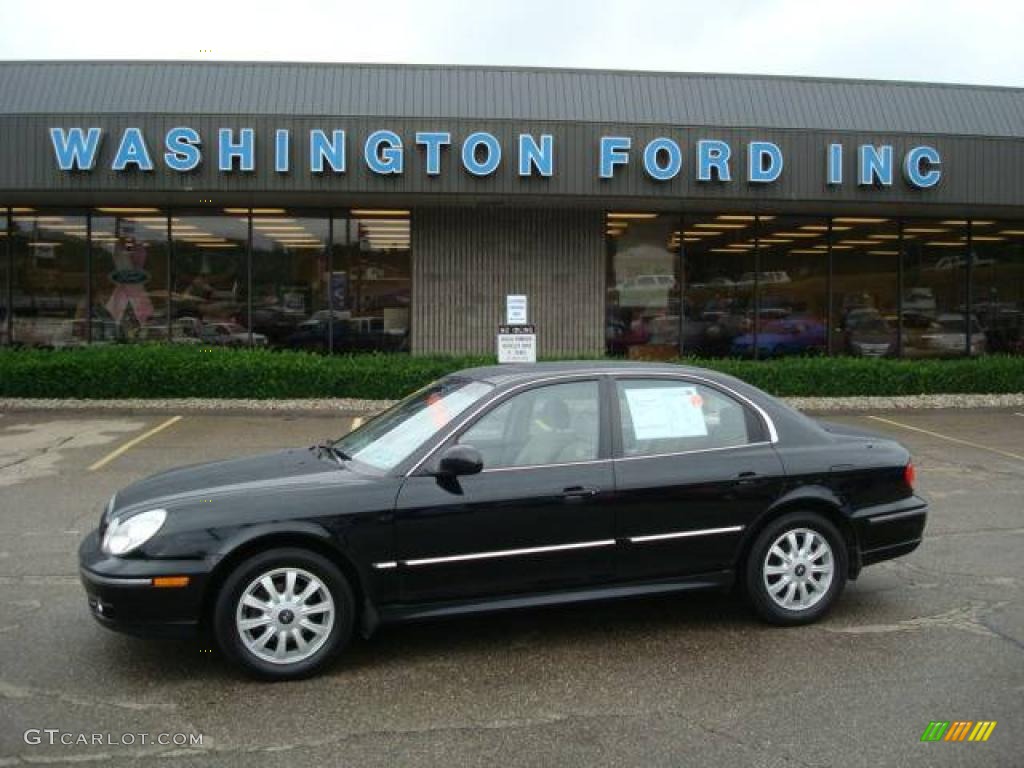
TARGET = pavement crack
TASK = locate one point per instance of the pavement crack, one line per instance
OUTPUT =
(965, 618)
(1003, 634)
(14, 692)
(60, 443)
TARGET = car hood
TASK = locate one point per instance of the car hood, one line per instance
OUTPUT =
(264, 471)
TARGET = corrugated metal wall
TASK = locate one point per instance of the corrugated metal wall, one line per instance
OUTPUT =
(496, 93)
(466, 260)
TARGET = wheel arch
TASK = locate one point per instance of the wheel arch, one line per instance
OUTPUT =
(262, 542)
(823, 502)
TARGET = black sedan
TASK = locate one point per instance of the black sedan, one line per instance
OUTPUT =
(498, 488)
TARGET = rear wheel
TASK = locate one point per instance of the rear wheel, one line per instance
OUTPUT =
(796, 569)
(282, 614)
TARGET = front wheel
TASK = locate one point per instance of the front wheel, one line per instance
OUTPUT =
(796, 569)
(282, 614)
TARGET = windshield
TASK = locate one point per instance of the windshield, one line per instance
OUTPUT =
(390, 438)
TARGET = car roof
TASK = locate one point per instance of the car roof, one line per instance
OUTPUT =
(500, 375)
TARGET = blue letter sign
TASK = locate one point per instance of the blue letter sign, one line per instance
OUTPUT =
(132, 151)
(533, 156)
(758, 172)
(921, 167)
(614, 151)
(182, 149)
(492, 158)
(75, 151)
(228, 149)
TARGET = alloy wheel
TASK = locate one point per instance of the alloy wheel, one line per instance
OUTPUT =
(798, 569)
(285, 615)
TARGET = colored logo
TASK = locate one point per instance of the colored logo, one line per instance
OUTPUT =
(958, 730)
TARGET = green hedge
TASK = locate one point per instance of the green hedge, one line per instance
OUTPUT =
(152, 371)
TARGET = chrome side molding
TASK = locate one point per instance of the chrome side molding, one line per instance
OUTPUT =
(497, 553)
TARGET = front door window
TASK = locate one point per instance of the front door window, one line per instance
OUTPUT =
(554, 424)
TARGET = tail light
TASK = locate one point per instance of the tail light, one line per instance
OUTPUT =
(909, 474)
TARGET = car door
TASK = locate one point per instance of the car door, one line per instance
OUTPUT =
(535, 518)
(694, 466)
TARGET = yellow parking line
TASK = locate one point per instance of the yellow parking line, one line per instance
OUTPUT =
(132, 443)
(980, 447)
(357, 422)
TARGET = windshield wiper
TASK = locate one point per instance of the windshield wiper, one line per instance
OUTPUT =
(335, 453)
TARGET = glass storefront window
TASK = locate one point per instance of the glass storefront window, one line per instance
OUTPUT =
(934, 315)
(720, 270)
(129, 275)
(209, 279)
(643, 285)
(289, 262)
(371, 282)
(997, 285)
(865, 313)
(50, 252)
(4, 283)
(792, 279)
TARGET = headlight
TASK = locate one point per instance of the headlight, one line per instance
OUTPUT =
(125, 535)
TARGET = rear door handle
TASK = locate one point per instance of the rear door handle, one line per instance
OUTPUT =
(578, 493)
(746, 478)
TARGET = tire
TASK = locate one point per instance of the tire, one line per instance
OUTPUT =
(313, 629)
(790, 590)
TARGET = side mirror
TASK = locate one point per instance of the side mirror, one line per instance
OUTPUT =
(460, 460)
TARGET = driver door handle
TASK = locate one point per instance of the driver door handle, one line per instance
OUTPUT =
(578, 493)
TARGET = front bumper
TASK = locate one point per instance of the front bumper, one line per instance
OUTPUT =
(122, 597)
(890, 530)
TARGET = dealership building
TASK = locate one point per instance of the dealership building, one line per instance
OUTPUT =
(343, 208)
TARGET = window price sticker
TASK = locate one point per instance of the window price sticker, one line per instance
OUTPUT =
(666, 412)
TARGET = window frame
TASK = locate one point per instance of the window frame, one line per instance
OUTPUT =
(604, 447)
(753, 413)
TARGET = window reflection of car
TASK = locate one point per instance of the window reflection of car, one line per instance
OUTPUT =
(231, 335)
(958, 261)
(793, 335)
(649, 281)
(158, 332)
(866, 333)
(275, 322)
(941, 336)
(727, 321)
(714, 282)
(919, 299)
(355, 334)
(1003, 323)
(715, 309)
(75, 333)
(773, 276)
(645, 290)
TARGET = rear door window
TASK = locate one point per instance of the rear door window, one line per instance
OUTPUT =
(659, 416)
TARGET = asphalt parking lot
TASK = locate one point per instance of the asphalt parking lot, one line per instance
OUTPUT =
(691, 680)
